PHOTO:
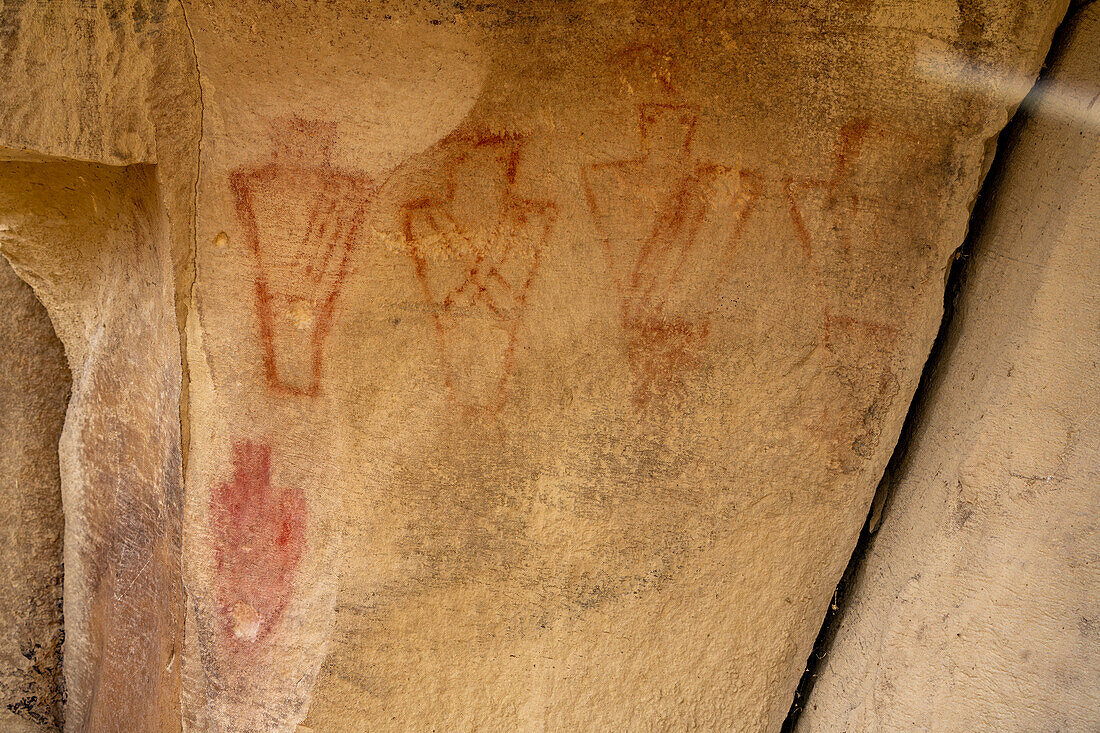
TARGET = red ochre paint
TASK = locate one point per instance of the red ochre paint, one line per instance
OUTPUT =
(301, 217)
(259, 538)
(495, 284)
(649, 272)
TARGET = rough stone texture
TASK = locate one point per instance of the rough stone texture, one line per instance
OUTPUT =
(977, 606)
(544, 357)
(109, 251)
(34, 388)
(81, 74)
(542, 360)
(90, 239)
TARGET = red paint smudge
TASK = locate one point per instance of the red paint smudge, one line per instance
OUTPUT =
(661, 351)
(259, 538)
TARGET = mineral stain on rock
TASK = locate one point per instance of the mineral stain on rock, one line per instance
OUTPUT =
(259, 539)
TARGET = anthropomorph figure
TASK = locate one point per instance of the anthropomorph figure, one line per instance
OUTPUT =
(302, 219)
(476, 247)
(652, 212)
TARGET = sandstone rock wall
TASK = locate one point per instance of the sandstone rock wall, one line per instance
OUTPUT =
(528, 364)
(566, 403)
(34, 389)
(91, 240)
(976, 608)
(78, 77)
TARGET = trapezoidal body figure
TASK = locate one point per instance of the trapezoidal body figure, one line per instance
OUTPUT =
(839, 231)
(668, 221)
(302, 218)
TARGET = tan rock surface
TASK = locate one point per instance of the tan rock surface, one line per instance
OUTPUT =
(542, 361)
(91, 240)
(977, 606)
(530, 355)
(34, 388)
(78, 77)
(108, 250)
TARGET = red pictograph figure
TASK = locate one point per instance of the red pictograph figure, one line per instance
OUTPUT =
(651, 212)
(475, 248)
(259, 538)
(826, 237)
(828, 214)
(302, 218)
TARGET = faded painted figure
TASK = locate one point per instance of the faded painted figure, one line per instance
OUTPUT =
(651, 211)
(839, 231)
(302, 219)
(476, 246)
(259, 532)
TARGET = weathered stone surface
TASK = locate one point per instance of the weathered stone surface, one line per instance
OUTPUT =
(91, 240)
(78, 77)
(109, 251)
(976, 608)
(34, 388)
(544, 358)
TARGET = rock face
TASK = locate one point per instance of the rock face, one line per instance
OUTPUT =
(90, 239)
(34, 388)
(78, 78)
(567, 400)
(976, 607)
(529, 365)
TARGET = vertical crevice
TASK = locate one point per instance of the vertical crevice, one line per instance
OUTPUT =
(186, 277)
(193, 253)
(34, 393)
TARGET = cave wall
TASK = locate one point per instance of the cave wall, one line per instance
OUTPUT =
(91, 240)
(34, 389)
(527, 365)
(635, 310)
